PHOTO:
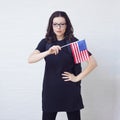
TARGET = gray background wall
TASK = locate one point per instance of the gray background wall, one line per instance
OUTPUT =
(23, 24)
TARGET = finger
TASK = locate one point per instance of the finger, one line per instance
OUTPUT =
(67, 73)
(64, 75)
(57, 49)
(66, 80)
(52, 50)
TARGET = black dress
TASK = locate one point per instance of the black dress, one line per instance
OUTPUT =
(58, 95)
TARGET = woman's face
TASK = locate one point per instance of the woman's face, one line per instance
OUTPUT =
(59, 27)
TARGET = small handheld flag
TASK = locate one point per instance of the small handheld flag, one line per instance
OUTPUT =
(79, 51)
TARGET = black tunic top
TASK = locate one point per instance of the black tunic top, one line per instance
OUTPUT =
(57, 94)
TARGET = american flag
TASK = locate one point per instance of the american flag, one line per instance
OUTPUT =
(79, 51)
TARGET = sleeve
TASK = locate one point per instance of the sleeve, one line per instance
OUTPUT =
(41, 46)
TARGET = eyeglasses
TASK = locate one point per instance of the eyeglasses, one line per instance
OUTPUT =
(60, 25)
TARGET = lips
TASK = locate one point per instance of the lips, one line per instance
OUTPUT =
(58, 31)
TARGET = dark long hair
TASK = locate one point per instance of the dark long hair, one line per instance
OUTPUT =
(50, 35)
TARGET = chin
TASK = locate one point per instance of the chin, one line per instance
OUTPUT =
(59, 34)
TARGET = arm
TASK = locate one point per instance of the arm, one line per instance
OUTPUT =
(37, 55)
(91, 65)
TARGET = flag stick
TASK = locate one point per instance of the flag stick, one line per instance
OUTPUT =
(70, 43)
(65, 45)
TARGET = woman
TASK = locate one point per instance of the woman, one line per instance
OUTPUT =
(62, 77)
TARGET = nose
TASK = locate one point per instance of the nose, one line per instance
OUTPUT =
(59, 26)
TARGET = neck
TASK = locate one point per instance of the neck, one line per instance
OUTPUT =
(59, 38)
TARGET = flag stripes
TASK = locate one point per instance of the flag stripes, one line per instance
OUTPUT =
(79, 51)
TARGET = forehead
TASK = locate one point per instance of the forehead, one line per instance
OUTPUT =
(59, 20)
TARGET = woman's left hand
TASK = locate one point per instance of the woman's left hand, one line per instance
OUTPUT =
(69, 77)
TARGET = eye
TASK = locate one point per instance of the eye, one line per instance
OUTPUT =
(60, 25)
(55, 24)
(63, 24)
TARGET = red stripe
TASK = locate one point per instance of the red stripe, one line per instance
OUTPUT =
(79, 56)
(77, 53)
(73, 52)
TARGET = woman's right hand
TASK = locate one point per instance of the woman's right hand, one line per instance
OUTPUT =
(37, 55)
(54, 49)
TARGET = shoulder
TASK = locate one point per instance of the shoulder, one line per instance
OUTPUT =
(43, 40)
(41, 45)
(73, 39)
